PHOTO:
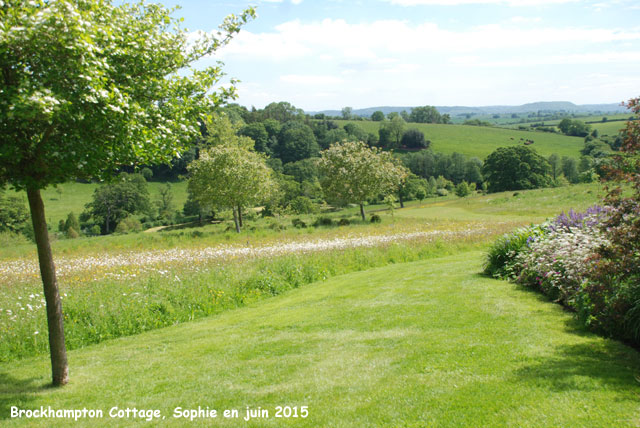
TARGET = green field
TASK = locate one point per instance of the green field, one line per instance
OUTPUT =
(429, 343)
(480, 141)
(404, 334)
(72, 197)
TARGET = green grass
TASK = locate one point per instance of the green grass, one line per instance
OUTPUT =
(480, 141)
(530, 206)
(429, 343)
(74, 196)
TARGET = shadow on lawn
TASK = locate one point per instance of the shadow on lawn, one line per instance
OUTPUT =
(574, 367)
(17, 392)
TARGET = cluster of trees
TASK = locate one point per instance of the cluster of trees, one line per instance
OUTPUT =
(575, 128)
(454, 167)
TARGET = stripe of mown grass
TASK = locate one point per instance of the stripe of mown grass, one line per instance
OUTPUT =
(429, 343)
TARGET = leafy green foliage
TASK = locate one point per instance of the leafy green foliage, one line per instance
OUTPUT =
(501, 257)
(230, 177)
(351, 172)
(112, 202)
(296, 141)
(414, 139)
(575, 128)
(88, 86)
(516, 168)
(426, 114)
(13, 213)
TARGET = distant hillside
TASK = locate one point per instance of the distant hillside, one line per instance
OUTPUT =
(544, 106)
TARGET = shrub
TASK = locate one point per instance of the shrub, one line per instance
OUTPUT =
(375, 218)
(129, 224)
(72, 233)
(442, 192)
(302, 205)
(298, 224)
(344, 222)
(501, 256)
(13, 213)
(323, 221)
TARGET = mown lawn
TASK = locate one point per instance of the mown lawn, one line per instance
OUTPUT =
(429, 343)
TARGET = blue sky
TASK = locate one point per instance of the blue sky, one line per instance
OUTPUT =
(333, 53)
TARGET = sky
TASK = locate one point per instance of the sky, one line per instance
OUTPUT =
(329, 54)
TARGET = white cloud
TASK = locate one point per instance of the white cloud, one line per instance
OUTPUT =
(514, 3)
(525, 20)
(309, 79)
(395, 61)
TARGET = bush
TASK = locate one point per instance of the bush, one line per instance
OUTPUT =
(462, 189)
(298, 224)
(72, 233)
(323, 221)
(442, 192)
(501, 256)
(13, 213)
(344, 222)
(375, 218)
(129, 224)
(302, 205)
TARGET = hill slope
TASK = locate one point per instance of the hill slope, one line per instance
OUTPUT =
(480, 141)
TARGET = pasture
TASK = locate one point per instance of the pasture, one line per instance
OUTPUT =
(480, 141)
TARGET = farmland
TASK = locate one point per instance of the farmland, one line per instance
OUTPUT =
(480, 141)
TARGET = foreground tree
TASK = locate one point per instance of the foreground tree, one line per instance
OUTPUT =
(230, 177)
(87, 87)
(354, 173)
(516, 168)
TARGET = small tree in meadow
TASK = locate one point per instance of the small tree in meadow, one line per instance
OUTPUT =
(230, 177)
(354, 173)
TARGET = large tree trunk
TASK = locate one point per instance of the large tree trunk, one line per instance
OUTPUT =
(235, 219)
(362, 212)
(59, 367)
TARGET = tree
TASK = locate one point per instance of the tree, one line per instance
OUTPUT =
(347, 113)
(352, 172)
(554, 162)
(164, 202)
(463, 189)
(282, 112)
(258, 133)
(230, 177)
(113, 202)
(296, 142)
(426, 114)
(516, 168)
(414, 139)
(570, 169)
(377, 116)
(87, 87)
(391, 132)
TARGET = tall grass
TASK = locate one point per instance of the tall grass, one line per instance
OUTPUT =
(107, 309)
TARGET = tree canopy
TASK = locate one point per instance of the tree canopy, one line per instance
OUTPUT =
(230, 177)
(352, 172)
(516, 168)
